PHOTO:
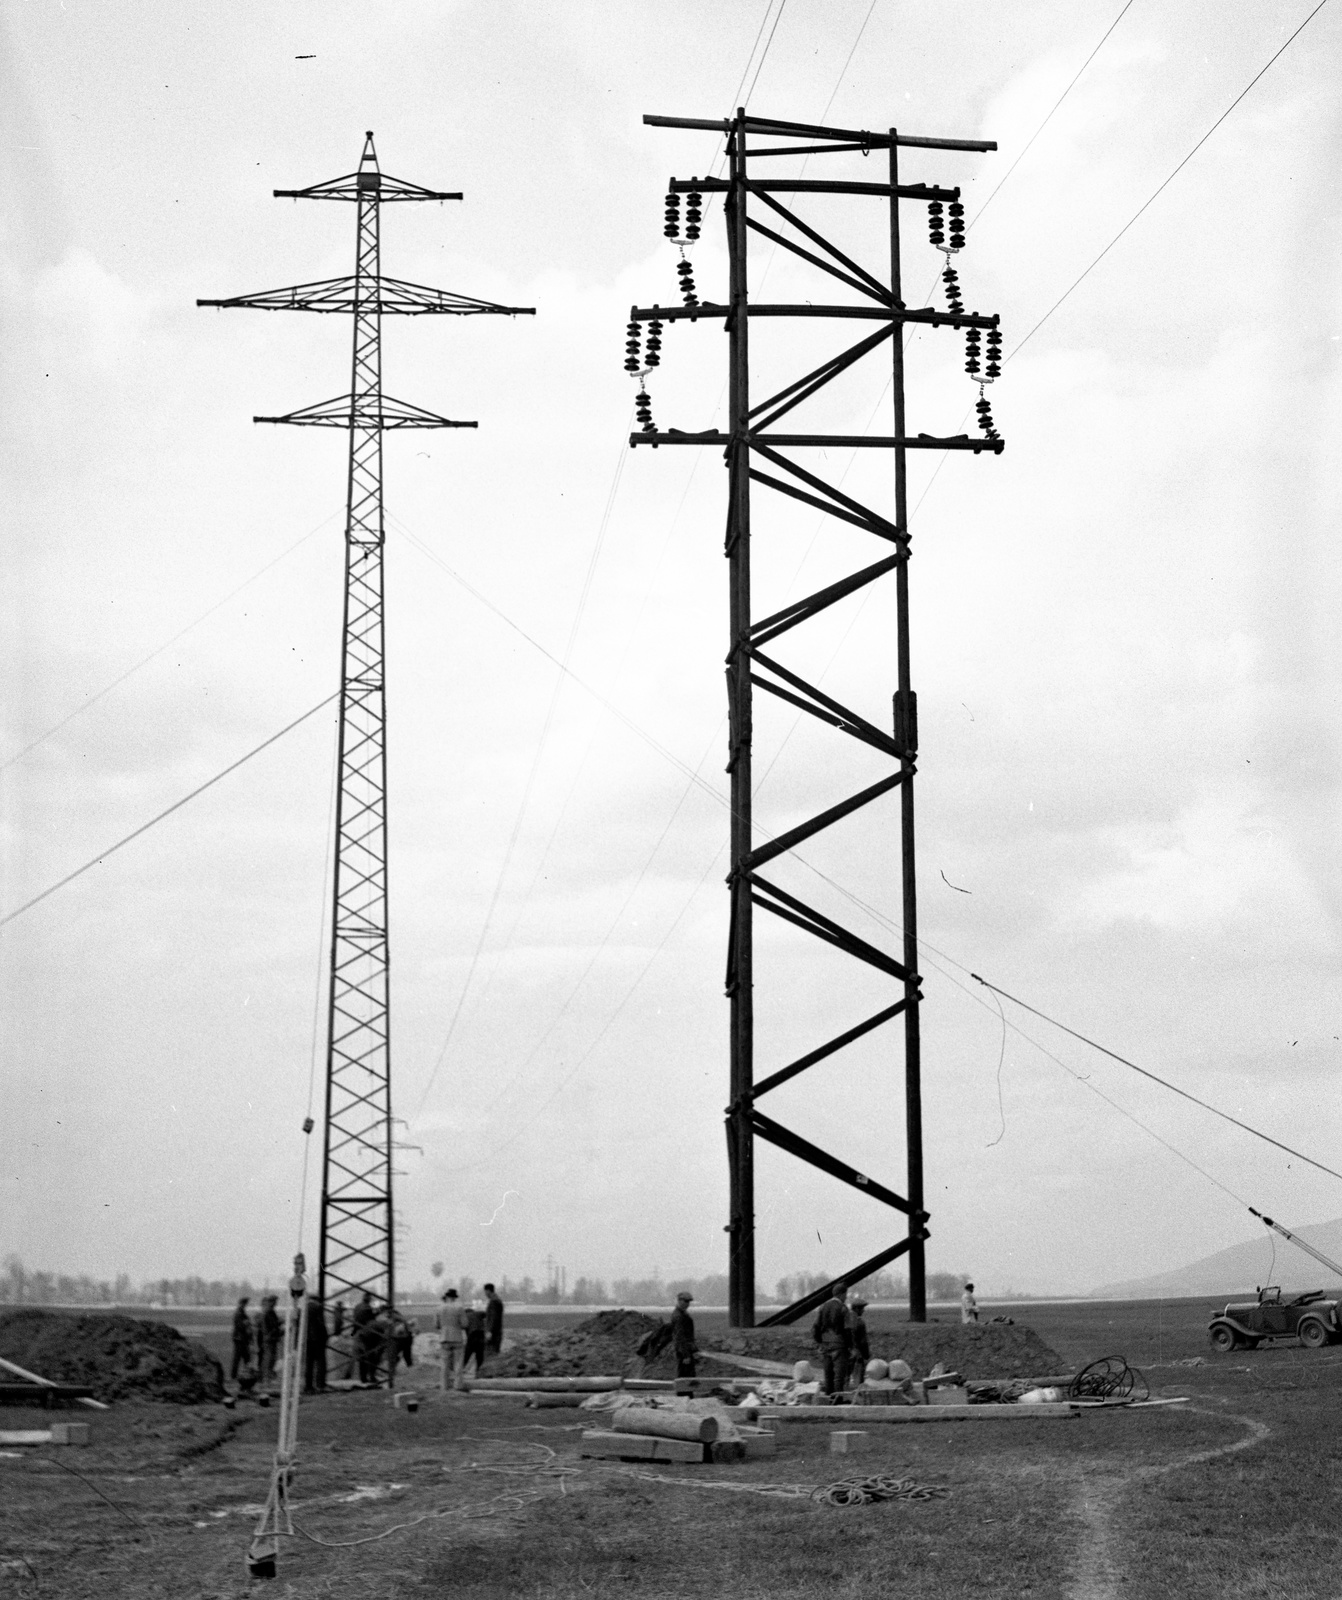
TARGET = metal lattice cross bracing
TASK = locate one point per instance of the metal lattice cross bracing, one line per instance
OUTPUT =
(358, 1225)
(754, 447)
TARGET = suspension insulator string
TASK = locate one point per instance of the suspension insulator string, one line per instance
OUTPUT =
(946, 232)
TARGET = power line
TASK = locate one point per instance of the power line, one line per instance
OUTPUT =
(177, 805)
(536, 759)
(1156, 1078)
(1163, 186)
(1072, 85)
(166, 645)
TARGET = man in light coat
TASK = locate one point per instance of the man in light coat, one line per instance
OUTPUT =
(451, 1339)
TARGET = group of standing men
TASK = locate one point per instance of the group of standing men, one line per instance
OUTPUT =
(468, 1333)
(379, 1337)
(257, 1344)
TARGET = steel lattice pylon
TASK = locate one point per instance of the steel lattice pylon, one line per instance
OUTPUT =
(753, 443)
(357, 1218)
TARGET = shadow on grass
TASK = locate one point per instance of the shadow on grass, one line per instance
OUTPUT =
(667, 1541)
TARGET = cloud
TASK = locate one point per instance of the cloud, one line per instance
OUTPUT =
(88, 314)
(1217, 860)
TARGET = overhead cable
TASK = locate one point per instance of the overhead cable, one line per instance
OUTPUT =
(1156, 1078)
(1044, 124)
(177, 805)
(536, 759)
(158, 651)
(1164, 185)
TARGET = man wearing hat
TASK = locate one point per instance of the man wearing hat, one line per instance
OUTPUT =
(452, 1337)
(682, 1336)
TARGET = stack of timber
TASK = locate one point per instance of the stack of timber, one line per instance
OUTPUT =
(640, 1434)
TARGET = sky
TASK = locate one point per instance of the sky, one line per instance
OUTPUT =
(1124, 637)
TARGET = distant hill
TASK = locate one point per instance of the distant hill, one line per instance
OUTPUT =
(1244, 1266)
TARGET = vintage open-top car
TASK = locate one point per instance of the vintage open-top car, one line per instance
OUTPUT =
(1315, 1319)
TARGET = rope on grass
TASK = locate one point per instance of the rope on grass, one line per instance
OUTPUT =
(511, 1500)
(843, 1492)
(880, 1486)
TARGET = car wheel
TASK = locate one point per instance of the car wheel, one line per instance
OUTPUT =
(1223, 1338)
(1313, 1334)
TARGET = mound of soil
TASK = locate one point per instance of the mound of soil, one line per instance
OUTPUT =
(600, 1346)
(604, 1345)
(117, 1357)
(976, 1350)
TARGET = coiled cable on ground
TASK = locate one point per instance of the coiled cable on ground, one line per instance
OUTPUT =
(1109, 1378)
(879, 1486)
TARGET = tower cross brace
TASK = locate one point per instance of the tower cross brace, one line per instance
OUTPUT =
(358, 1224)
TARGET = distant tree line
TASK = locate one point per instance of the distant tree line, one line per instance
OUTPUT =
(22, 1286)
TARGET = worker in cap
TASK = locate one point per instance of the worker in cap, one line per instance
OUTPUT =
(682, 1336)
(830, 1332)
(859, 1346)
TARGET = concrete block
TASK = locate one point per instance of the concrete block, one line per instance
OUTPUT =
(948, 1394)
(844, 1441)
(759, 1442)
(69, 1433)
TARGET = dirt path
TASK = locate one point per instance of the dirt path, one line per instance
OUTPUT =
(1099, 1573)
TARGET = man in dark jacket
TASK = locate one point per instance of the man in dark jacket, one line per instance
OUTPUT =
(830, 1332)
(270, 1335)
(859, 1346)
(493, 1320)
(314, 1349)
(682, 1336)
(362, 1326)
(473, 1325)
(242, 1338)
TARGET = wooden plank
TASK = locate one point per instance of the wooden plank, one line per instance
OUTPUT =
(32, 1377)
(548, 1385)
(640, 1447)
(25, 1435)
(770, 1369)
(990, 1413)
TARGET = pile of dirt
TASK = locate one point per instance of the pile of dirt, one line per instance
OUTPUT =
(600, 1346)
(117, 1357)
(975, 1350)
(604, 1345)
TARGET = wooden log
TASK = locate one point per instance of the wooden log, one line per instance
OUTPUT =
(548, 1385)
(544, 1401)
(665, 1424)
(25, 1435)
(866, 1414)
(640, 1447)
(767, 1369)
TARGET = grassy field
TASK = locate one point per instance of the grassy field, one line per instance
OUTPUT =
(1240, 1490)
